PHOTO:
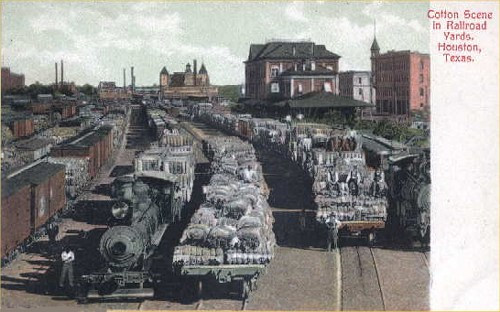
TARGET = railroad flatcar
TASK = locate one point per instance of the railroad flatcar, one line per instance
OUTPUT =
(402, 199)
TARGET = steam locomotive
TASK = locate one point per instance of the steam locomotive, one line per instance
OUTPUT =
(144, 207)
(409, 183)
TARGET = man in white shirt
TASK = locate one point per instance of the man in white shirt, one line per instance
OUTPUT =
(68, 258)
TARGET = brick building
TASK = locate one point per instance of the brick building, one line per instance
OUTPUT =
(357, 85)
(11, 80)
(188, 84)
(280, 70)
(401, 80)
(107, 90)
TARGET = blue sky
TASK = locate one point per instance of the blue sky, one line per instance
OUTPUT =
(98, 39)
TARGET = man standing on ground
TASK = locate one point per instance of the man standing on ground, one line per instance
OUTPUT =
(302, 223)
(333, 233)
(68, 258)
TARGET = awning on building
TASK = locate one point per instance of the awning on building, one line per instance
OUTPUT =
(322, 100)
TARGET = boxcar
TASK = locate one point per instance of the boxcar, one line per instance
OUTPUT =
(30, 197)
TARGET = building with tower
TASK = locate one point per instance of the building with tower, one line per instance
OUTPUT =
(280, 70)
(401, 80)
(190, 84)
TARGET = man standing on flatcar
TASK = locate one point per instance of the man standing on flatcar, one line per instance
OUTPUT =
(52, 231)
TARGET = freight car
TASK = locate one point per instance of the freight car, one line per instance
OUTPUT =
(96, 145)
(389, 190)
(229, 238)
(31, 197)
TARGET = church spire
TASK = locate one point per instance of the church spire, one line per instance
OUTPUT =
(375, 49)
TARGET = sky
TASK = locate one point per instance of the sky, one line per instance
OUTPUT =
(97, 39)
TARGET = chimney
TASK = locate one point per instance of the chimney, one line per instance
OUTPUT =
(124, 80)
(57, 82)
(62, 73)
(195, 71)
(132, 78)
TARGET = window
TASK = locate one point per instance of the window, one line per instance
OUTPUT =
(299, 88)
(421, 91)
(360, 91)
(275, 87)
(359, 81)
(313, 65)
(274, 71)
(421, 105)
(328, 87)
(421, 78)
(421, 65)
(329, 68)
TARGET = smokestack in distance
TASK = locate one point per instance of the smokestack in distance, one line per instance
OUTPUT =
(132, 80)
(57, 81)
(124, 80)
(62, 73)
(195, 70)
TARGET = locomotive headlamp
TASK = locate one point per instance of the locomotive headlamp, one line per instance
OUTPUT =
(120, 210)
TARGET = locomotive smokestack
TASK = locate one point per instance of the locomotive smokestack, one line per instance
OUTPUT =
(56, 75)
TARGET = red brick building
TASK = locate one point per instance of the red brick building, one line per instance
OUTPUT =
(11, 80)
(401, 80)
(281, 70)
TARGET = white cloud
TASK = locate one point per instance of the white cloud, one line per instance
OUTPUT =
(385, 20)
(97, 40)
(295, 12)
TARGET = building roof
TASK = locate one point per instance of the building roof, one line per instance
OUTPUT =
(202, 70)
(353, 72)
(392, 53)
(289, 50)
(87, 139)
(9, 117)
(322, 100)
(164, 71)
(375, 45)
(33, 144)
(379, 144)
(33, 175)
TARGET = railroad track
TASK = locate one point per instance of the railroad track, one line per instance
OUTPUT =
(222, 306)
(425, 259)
(364, 277)
(382, 297)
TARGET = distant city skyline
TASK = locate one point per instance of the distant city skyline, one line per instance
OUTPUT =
(97, 40)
